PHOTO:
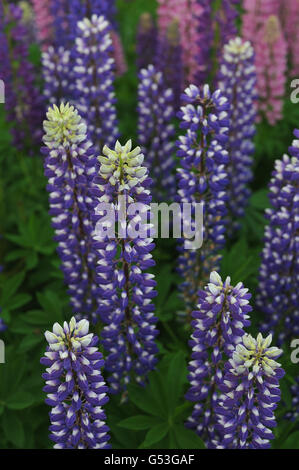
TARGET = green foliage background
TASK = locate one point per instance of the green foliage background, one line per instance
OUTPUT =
(33, 297)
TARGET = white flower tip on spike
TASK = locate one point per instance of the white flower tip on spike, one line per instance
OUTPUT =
(58, 330)
(215, 278)
(50, 337)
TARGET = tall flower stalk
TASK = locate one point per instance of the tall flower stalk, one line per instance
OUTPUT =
(250, 395)
(94, 71)
(75, 388)
(218, 326)
(156, 131)
(70, 166)
(278, 285)
(125, 289)
(203, 179)
(237, 81)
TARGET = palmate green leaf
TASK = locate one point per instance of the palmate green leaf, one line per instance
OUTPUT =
(13, 429)
(9, 287)
(292, 441)
(19, 400)
(176, 377)
(143, 400)
(155, 434)
(139, 422)
(187, 439)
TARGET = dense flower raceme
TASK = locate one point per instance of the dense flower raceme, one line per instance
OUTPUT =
(261, 26)
(256, 14)
(289, 12)
(169, 61)
(67, 14)
(75, 388)
(56, 66)
(203, 178)
(216, 26)
(24, 104)
(94, 72)
(271, 66)
(146, 44)
(250, 394)
(279, 272)
(125, 288)
(44, 21)
(156, 132)
(70, 166)
(186, 13)
(218, 326)
(237, 81)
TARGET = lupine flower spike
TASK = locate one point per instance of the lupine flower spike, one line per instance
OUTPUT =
(169, 61)
(125, 288)
(44, 21)
(250, 395)
(146, 41)
(277, 295)
(156, 132)
(70, 166)
(203, 179)
(58, 86)
(94, 72)
(75, 388)
(238, 81)
(218, 326)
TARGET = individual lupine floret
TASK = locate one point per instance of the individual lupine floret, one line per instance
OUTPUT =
(57, 74)
(250, 394)
(125, 288)
(237, 81)
(202, 179)
(277, 295)
(94, 71)
(75, 388)
(218, 326)
(156, 131)
(147, 39)
(70, 166)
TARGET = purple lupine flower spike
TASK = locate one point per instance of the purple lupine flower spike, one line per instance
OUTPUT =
(156, 132)
(237, 81)
(250, 395)
(218, 326)
(94, 72)
(75, 388)
(57, 75)
(216, 27)
(277, 295)
(70, 166)
(169, 61)
(24, 102)
(147, 38)
(125, 288)
(203, 179)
